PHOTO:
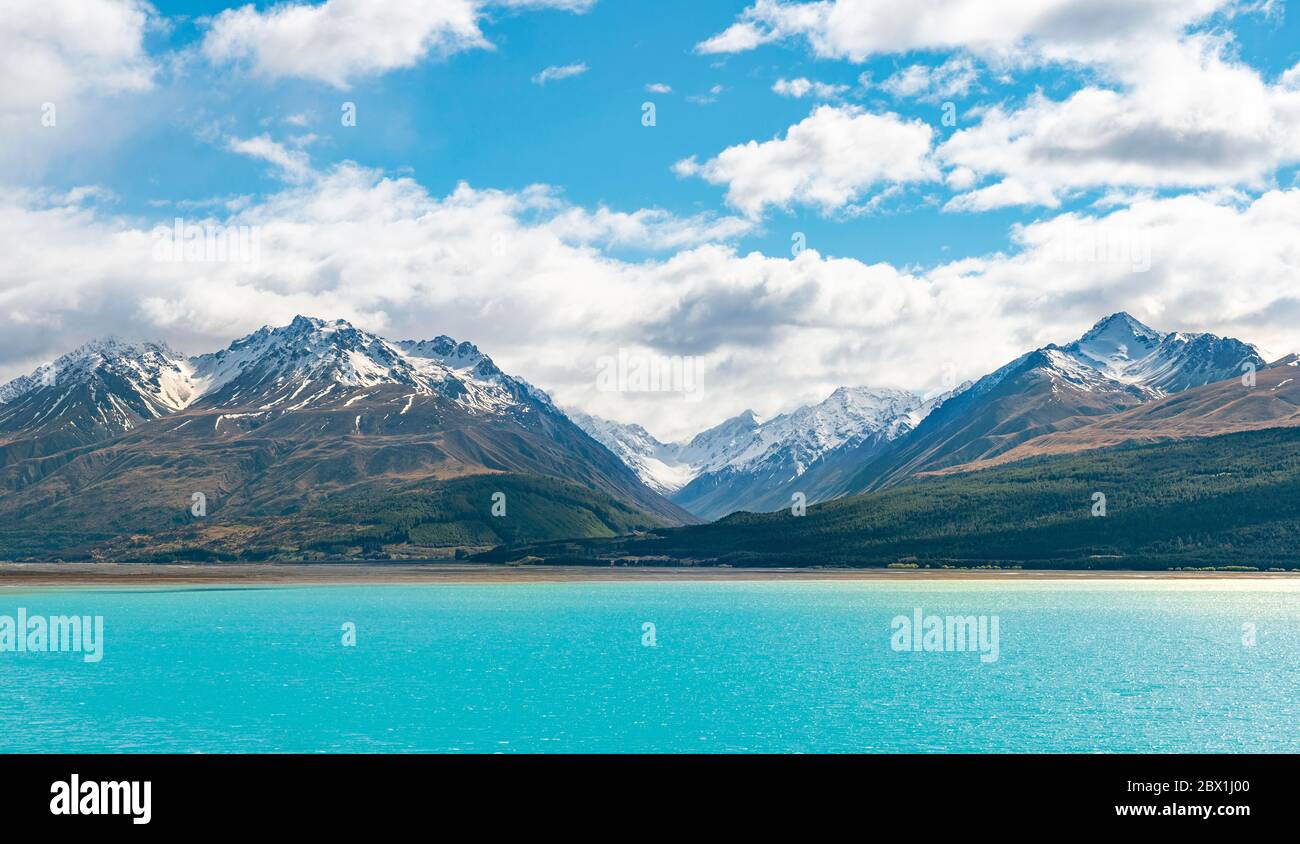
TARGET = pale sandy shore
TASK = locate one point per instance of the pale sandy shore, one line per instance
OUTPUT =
(17, 575)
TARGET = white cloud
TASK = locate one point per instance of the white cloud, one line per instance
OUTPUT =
(802, 87)
(1183, 116)
(659, 88)
(1166, 105)
(1033, 30)
(555, 73)
(70, 71)
(521, 274)
(51, 50)
(292, 165)
(340, 41)
(645, 228)
(950, 80)
(578, 6)
(736, 38)
(830, 159)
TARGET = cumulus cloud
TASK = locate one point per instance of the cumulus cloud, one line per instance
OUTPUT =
(830, 159)
(950, 80)
(802, 87)
(54, 49)
(737, 38)
(1184, 116)
(69, 71)
(1026, 30)
(340, 41)
(534, 281)
(645, 228)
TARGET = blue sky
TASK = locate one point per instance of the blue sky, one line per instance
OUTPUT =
(1173, 126)
(463, 118)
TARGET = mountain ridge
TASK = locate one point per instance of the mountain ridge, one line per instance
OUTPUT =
(743, 463)
(1058, 388)
(286, 418)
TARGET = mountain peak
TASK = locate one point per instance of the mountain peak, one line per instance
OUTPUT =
(1122, 322)
(110, 346)
(1124, 350)
(318, 362)
(300, 321)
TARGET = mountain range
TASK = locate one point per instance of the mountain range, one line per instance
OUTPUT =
(861, 439)
(319, 440)
(1117, 365)
(103, 451)
(745, 464)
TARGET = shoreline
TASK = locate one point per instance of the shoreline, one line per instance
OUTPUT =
(14, 575)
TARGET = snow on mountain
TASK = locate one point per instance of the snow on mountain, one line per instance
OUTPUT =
(158, 375)
(658, 465)
(787, 444)
(1118, 363)
(801, 437)
(1121, 354)
(1124, 350)
(312, 362)
(108, 387)
(715, 447)
(99, 390)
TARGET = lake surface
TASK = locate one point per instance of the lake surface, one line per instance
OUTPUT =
(567, 667)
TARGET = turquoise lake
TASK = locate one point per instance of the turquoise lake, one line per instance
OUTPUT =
(736, 667)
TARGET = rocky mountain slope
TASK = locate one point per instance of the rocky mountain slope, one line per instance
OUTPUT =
(1117, 365)
(282, 423)
(745, 464)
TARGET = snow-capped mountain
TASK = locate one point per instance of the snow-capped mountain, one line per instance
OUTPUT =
(1118, 364)
(743, 463)
(288, 416)
(315, 437)
(108, 387)
(800, 438)
(1120, 354)
(311, 363)
(859, 439)
(100, 390)
(716, 446)
(658, 465)
(807, 451)
(155, 374)
(1123, 349)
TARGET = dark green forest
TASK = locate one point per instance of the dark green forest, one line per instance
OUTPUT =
(1223, 501)
(460, 512)
(438, 514)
